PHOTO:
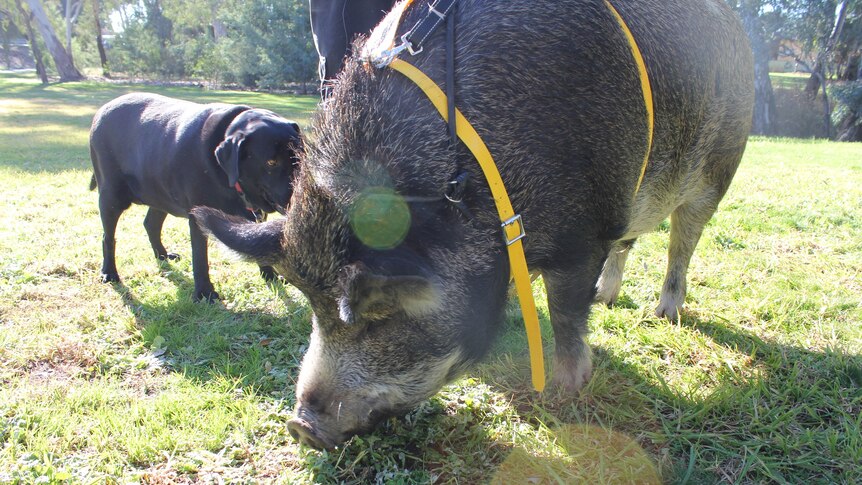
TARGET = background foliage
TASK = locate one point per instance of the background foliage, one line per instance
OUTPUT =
(267, 44)
(259, 44)
(252, 43)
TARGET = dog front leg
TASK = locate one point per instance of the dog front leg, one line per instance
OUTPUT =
(200, 265)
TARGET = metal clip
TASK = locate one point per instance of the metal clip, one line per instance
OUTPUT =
(456, 187)
(410, 45)
(386, 57)
(512, 220)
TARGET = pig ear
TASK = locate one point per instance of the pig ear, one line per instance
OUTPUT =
(228, 154)
(261, 243)
(368, 295)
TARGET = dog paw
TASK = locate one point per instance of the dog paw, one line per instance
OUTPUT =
(109, 278)
(208, 296)
(169, 257)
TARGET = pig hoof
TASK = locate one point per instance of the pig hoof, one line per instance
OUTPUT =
(570, 374)
(207, 296)
(110, 278)
(668, 308)
(169, 257)
(606, 295)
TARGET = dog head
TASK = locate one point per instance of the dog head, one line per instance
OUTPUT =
(259, 153)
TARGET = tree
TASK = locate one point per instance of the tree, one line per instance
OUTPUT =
(26, 19)
(751, 12)
(848, 112)
(6, 26)
(62, 59)
(271, 43)
(818, 73)
(100, 43)
(71, 11)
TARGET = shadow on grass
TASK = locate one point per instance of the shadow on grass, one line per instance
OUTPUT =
(779, 420)
(781, 413)
(208, 341)
(789, 415)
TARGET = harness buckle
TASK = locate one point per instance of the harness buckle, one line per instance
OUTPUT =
(510, 221)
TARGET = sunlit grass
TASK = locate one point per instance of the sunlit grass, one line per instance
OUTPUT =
(759, 382)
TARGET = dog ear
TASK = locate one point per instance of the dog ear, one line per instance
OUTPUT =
(228, 154)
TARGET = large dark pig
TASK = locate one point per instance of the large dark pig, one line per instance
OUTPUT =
(407, 287)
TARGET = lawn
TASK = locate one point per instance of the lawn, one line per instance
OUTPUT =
(759, 382)
(789, 79)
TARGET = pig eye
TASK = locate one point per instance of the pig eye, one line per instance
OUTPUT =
(272, 163)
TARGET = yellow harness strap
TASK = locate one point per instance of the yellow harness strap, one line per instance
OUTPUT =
(646, 89)
(513, 228)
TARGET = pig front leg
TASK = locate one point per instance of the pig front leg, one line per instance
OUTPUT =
(570, 293)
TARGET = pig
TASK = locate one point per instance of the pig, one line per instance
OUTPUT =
(408, 287)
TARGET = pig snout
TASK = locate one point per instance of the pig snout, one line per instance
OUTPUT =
(305, 429)
(325, 427)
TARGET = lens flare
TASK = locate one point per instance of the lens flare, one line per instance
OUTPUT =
(583, 454)
(380, 218)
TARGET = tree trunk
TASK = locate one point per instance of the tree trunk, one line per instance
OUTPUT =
(68, 5)
(764, 120)
(7, 42)
(219, 28)
(73, 9)
(854, 65)
(31, 38)
(100, 43)
(819, 71)
(62, 60)
(827, 112)
(850, 129)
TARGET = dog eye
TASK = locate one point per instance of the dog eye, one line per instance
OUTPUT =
(272, 163)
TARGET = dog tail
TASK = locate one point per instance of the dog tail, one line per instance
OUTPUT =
(93, 184)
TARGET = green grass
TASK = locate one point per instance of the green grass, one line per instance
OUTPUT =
(789, 79)
(759, 382)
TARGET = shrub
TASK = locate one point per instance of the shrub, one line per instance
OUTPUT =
(798, 115)
(847, 115)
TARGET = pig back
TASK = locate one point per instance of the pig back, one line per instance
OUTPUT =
(554, 90)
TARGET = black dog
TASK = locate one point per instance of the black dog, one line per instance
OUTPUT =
(173, 155)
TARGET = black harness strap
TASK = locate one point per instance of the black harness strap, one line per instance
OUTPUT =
(450, 75)
(413, 40)
(420, 32)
